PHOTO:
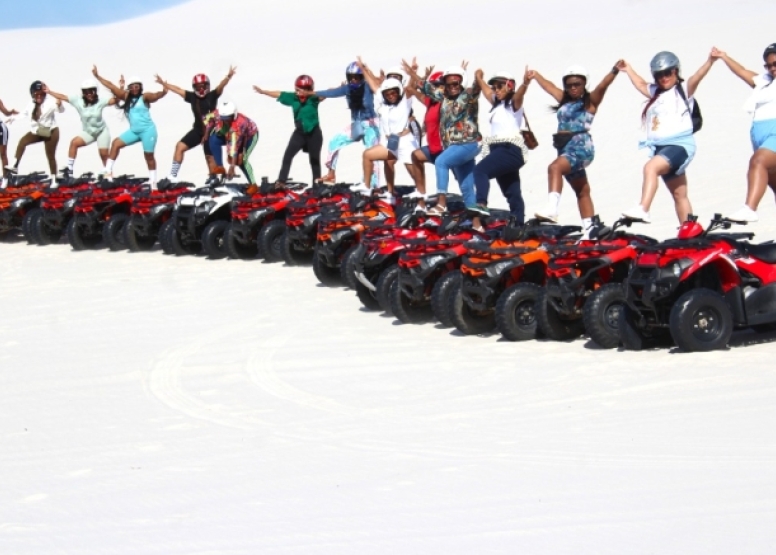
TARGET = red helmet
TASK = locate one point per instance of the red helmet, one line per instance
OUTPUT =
(304, 82)
(435, 78)
(201, 84)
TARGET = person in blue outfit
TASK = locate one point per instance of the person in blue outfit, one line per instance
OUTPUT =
(135, 103)
(364, 124)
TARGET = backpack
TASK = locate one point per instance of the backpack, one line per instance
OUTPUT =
(695, 113)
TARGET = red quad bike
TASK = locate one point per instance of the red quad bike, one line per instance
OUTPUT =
(101, 213)
(19, 203)
(500, 281)
(427, 269)
(584, 285)
(56, 208)
(258, 222)
(150, 215)
(302, 219)
(698, 288)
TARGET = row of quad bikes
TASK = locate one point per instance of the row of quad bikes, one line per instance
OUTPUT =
(524, 281)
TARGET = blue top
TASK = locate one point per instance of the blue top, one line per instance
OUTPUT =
(573, 117)
(360, 114)
(139, 117)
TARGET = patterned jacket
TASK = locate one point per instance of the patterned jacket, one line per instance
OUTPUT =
(238, 135)
(458, 116)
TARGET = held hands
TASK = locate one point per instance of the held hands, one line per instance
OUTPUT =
(622, 65)
(716, 54)
(529, 75)
(479, 75)
(161, 81)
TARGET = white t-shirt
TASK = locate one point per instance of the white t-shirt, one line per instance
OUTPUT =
(394, 119)
(505, 121)
(762, 102)
(47, 110)
(668, 116)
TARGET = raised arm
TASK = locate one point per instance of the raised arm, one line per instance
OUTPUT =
(519, 96)
(59, 96)
(597, 96)
(696, 78)
(486, 90)
(641, 85)
(177, 90)
(428, 88)
(746, 75)
(548, 86)
(369, 77)
(151, 97)
(6, 111)
(272, 94)
(225, 81)
(119, 93)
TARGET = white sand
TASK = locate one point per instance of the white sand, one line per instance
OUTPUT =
(158, 405)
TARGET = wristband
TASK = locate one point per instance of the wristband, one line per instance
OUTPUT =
(615, 71)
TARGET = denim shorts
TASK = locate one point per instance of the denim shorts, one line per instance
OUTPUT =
(677, 158)
(427, 153)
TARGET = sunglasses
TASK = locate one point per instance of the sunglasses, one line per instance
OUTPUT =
(391, 92)
(574, 84)
(770, 65)
(90, 91)
(452, 84)
(498, 85)
(664, 73)
(355, 77)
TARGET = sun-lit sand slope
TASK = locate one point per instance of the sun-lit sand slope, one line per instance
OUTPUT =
(161, 405)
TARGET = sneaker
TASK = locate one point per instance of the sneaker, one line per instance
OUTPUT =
(744, 215)
(479, 209)
(360, 188)
(170, 179)
(415, 195)
(388, 197)
(547, 215)
(12, 170)
(638, 214)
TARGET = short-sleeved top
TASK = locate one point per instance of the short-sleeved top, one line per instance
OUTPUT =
(505, 121)
(762, 102)
(431, 121)
(305, 113)
(201, 106)
(668, 115)
(91, 116)
(394, 118)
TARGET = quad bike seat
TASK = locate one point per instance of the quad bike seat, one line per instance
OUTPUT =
(764, 251)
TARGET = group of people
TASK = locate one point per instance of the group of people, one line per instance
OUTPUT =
(382, 117)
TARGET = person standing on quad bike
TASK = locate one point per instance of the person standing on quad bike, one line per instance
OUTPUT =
(44, 128)
(504, 151)
(135, 105)
(762, 105)
(576, 108)
(89, 107)
(307, 135)
(203, 102)
(4, 139)
(397, 142)
(363, 125)
(668, 122)
(239, 134)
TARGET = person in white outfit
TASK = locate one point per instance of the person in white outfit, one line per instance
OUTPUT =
(762, 106)
(4, 139)
(668, 120)
(43, 126)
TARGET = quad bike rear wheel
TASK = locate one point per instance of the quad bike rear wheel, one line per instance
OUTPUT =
(270, 240)
(516, 312)
(440, 297)
(79, 240)
(214, 239)
(701, 321)
(29, 225)
(113, 232)
(137, 242)
(601, 315)
(467, 320)
(407, 310)
(553, 325)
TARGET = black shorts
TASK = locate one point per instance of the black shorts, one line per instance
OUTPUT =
(3, 134)
(194, 138)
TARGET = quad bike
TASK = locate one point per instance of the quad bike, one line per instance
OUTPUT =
(428, 268)
(150, 214)
(501, 280)
(202, 216)
(100, 213)
(49, 223)
(698, 288)
(259, 221)
(302, 219)
(584, 285)
(19, 203)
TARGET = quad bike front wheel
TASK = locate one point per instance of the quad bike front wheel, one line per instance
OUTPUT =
(701, 321)
(291, 254)
(516, 312)
(407, 310)
(29, 222)
(45, 235)
(552, 324)
(440, 297)
(214, 239)
(113, 232)
(467, 320)
(79, 240)
(136, 242)
(601, 315)
(270, 240)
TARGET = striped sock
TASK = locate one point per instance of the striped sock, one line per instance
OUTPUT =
(176, 167)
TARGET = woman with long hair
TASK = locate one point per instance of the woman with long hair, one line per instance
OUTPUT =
(576, 108)
(135, 104)
(667, 119)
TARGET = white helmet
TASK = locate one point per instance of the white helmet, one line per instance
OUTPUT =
(576, 70)
(397, 70)
(503, 76)
(89, 84)
(227, 109)
(134, 80)
(390, 85)
(455, 70)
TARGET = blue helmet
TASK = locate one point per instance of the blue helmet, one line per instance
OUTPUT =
(352, 70)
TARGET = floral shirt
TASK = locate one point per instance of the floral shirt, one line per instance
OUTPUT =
(457, 116)
(237, 135)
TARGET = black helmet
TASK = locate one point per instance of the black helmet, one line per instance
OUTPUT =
(770, 49)
(36, 86)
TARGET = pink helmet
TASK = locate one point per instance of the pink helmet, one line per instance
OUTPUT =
(201, 84)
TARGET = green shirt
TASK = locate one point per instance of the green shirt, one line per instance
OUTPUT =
(305, 113)
(91, 116)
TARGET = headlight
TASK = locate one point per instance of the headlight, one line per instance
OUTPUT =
(206, 206)
(311, 219)
(19, 202)
(158, 209)
(69, 203)
(256, 214)
(432, 260)
(500, 267)
(677, 267)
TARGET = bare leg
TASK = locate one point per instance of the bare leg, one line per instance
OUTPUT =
(584, 200)
(653, 169)
(555, 172)
(75, 144)
(372, 155)
(678, 188)
(115, 147)
(180, 149)
(761, 165)
(150, 160)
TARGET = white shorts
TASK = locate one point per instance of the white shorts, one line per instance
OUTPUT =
(3, 134)
(407, 145)
(102, 138)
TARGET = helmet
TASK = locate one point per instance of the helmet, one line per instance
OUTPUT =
(397, 71)
(226, 109)
(435, 78)
(304, 82)
(200, 79)
(770, 49)
(664, 60)
(36, 87)
(353, 69)
(89, 84)
(134, 80)
(577, 70)
(392, 84)
(454, 70)
(503, 76)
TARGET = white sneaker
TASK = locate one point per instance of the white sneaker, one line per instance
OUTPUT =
(744, 215)
(415, 194)
(172, 179)
(547, 215)
(360, 188)
(638, 214)
(389, 198)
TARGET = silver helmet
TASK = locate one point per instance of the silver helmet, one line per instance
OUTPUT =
(664, 60)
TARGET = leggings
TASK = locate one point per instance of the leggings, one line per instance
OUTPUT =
(312, 143)
(216, 144)
(50, 146)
